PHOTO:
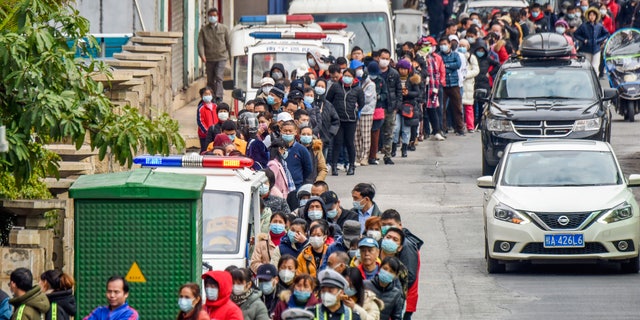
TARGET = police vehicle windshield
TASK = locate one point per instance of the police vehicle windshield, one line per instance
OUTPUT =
(221, 221)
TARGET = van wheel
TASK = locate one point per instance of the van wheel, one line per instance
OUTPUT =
(633, 266)
(493, 265)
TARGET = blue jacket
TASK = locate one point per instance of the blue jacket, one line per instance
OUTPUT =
(452, 63)
(257, 151)
(123, 312)
(590, 36)
(286, 248)
(337, 246)
(299, 163)
(5, 307)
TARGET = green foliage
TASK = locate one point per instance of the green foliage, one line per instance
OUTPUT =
(32, 189)
(46, 95)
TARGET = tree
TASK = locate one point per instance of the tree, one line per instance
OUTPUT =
(46, 95)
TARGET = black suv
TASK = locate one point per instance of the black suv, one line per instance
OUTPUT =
(544, 93)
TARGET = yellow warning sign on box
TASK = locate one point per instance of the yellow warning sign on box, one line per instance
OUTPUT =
(135, 274)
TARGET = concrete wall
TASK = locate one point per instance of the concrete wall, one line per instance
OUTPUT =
(120, 16)
(250, 7)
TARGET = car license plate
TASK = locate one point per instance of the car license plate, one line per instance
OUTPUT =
(564, 241)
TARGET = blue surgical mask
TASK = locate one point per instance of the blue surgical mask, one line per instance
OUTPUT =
(462, 50)
(213, 19)
(314, 214)
(276, 228)
(560, 30)
(288, 137)
(311, 62)
(212, 293)
(332, 213)
(285, 155)
(385, 276)
(384, 230)
(207, 98)
(185, 304)
(471, 40)
(444, 48)
(231, 137)
(480, 54)
(358, 205)
(267, 287)
(271, 100)
(308, 99)
(303, 202)
(349, 291)
(535, 14)
(301, 296)
(347, 80)
(264, 189)
(312, 82)
(389, 246)
(584, 8)
(319, 90)
(306, 139)
(292, 236)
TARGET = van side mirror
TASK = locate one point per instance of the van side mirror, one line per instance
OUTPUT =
(481, 95)
(485, 182)
(238, 94)
(609, 94)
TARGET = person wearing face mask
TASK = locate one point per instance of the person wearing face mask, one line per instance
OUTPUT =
(473, 69)
(214, 48)
(287, 266)
(266, 84)
(267, 279)
(266, 243)
(217, 287)
(317, 63)
(275, 98)
(539, 19)
(607, 20)
(245, 296)
(348, 99)
(230, 129)
(311, 107)
(190, 303)
(314, 210)
(451, 97)
(347, 243)
(300, 295)
(293, 242)
(590, 36)
(278, 73)
(363, 204)
(409, 254)
(362, 301)
(206, 116)
(394, 87)
(562, 27)
(329, 121)
(314, 146)
(222, 115)
(332, 286)
(365, 120)
(311, 256)
(390, 246)
(487, 67)
(373, 228)
(335, 213)
(298, 160)
(382, 285)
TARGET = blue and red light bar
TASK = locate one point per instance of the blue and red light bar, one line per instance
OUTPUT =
(276, 19)
(288, 35)
(332, 25)
(194, 161)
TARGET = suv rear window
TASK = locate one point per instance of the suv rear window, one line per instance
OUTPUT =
(549, 83)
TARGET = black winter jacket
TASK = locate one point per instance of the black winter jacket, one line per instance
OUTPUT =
(392, 77)
(329, 121)
(484, 63)
(346, 100)
(66, 304)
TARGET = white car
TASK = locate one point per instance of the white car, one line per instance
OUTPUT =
(560, 200)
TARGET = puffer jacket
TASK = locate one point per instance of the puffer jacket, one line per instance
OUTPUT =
(394, 88)
(65, 304)
(486, 66)
(306, 261)
(318, 162)
(412, 83)
(347, 100)
(370, 309)
(370, 96)
(286, 247)
(590, 36)
(391, 295)
(223, 308)
(35, 304)
(287, 301)
(253, 308)
(330, 121)
(262, 252)
(473, 69)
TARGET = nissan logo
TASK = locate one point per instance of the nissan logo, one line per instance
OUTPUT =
(563, 220)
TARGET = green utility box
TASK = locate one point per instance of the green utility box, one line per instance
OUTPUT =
(144, 226)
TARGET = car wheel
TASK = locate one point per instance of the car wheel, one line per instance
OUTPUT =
(493, 265)
(631, 111)
(633, 266)
(487, 169)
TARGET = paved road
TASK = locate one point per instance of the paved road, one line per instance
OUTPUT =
(434, 190)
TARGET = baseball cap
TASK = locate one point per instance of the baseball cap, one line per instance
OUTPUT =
(267, 81)
(266, 272)
(330, 198)
(284, 116)
(295, 94)
(453, 37)
(368, 242)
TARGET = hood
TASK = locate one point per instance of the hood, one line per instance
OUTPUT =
(33, 298)
(550, 199)
(413, 239)
(225, 283)
(547, 109)
(355, 64)
(320, 59)
(306, 208)
(317, 144)
(594, 10)
(278, 66)
(415, 78)
(65, 300)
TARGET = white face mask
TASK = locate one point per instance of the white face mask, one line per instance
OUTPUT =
(213, 19)
(329, 300)
(316, 242)
(286, 275)
(267, 89)
(384, 62)
(223, 116)
(238, 289)
(359, 73)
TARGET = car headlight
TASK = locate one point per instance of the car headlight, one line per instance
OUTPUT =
(621, 212)
(587, 124)
(499, 125)
(505, 213)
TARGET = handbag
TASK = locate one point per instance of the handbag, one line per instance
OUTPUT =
(378, 114)
(407, 110)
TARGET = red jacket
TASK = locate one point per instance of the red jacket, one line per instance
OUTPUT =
(223, 308)
(608, 24)
(412, 293)
(207, 117)
(441, 69)
(614, 8)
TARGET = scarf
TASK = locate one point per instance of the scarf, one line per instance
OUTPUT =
(290, 184)
(239, 300)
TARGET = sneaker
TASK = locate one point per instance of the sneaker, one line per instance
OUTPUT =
(470, 131)
(438, 137)
(420, 138)
(460, 134)
(373, 162)
(388, 161)
(363, 163)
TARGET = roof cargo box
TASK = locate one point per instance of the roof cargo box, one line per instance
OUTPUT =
(545, 45)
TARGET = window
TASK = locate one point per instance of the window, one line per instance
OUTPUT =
(221, 221)
(376, 23)
(547, 83)
(262, 62)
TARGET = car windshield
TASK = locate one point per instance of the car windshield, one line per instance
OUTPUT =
(336, 49)
(221, 221)
(560, 169)
(375, 23)
(545, 83)
(262, 62)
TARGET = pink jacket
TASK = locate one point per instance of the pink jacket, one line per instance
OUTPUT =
(281, 185)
